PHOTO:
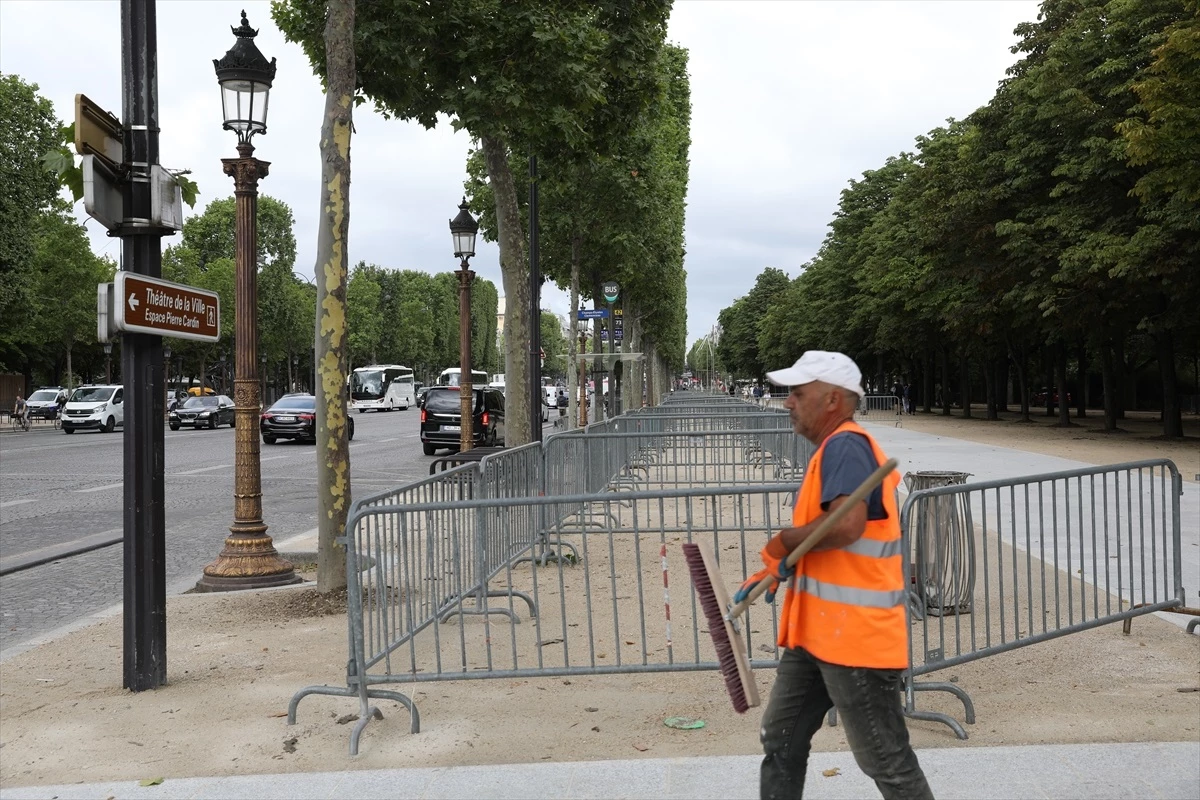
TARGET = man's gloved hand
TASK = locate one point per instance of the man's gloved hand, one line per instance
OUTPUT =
(755, 579)
(774, 556)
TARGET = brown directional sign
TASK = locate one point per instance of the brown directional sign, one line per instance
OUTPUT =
(142, 304)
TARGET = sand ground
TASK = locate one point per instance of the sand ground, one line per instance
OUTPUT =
(235, 660)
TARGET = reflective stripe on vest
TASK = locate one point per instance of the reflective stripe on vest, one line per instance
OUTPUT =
(849, 595)
(873, 548)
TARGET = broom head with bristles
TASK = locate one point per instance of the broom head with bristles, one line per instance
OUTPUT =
(714, 599)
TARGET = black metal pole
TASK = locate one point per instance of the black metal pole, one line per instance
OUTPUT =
(610, 400)
(145, 608)
(535, 309)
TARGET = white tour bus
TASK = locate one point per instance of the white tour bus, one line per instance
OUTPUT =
(449, 377)
(384, 387)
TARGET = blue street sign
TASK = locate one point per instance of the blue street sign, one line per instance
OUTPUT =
(593, 313)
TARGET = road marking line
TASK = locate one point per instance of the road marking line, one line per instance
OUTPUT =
(273, 458)
(393, 439)
(203, 469)
(8, 503)
(99, 488)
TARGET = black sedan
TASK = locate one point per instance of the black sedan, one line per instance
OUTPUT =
(294, 416)
(211, 411)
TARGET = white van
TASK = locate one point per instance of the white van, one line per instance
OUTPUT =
(98, 407)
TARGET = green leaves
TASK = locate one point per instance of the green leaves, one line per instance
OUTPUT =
(1065, 210)
(61, 164)
(28, 130)
(564, 80)
(187, 187)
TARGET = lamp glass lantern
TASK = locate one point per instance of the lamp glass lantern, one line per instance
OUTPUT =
(245, 76)
(463, 229)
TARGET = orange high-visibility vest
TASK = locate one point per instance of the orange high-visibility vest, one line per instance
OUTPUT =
(846, 606)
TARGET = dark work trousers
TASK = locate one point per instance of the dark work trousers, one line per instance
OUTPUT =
(869, 708)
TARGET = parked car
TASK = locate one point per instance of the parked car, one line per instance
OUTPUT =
(99, 407)
(210, 411)
(441, 418)
(420, 396)
(294, 416)
(43, 403)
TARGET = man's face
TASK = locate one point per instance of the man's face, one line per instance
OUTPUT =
(810, 406)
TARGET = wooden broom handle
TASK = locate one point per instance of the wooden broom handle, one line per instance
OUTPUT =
(855, 497)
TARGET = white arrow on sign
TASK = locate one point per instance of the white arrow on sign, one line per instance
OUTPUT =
(133, 302)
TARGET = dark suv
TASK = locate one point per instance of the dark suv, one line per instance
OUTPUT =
(441, 416)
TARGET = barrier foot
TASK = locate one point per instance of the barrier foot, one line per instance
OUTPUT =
(371, 712)
(366, 713)
(957, 691)
(546, 556)
(484, 610)
(933, 716)
(335, 691)
(515, 593)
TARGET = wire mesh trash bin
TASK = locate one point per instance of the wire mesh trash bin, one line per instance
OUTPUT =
(945, 547)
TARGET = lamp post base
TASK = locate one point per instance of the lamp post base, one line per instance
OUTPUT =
(247, 563)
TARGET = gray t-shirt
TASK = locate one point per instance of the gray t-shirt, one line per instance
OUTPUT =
(848, 461)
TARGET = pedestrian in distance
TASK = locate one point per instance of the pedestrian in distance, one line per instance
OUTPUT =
(842, 630)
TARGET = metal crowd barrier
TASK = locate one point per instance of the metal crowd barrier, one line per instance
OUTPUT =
(880, 407)
(414, 616)
(547, 560)
(1054, 554)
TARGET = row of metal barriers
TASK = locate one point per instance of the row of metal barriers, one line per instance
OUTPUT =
(556, 558)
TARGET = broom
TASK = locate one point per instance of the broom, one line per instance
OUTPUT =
(706, 577)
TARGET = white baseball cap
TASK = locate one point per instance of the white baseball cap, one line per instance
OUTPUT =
(835, 369)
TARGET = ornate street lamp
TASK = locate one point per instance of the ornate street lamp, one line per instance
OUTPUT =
(463, 229)
(249, 559)
(108, 362)
(245, 76)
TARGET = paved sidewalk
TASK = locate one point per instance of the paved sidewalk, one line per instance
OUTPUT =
(1110, 771)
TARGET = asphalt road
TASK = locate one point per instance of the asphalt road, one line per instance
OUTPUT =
(58, 492)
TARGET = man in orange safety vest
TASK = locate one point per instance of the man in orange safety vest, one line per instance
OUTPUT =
(843, 628)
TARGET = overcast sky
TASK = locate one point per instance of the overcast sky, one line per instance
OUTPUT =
(791, 99)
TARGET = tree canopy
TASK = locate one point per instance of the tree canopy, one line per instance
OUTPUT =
(1053, 232)
(552, 78)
